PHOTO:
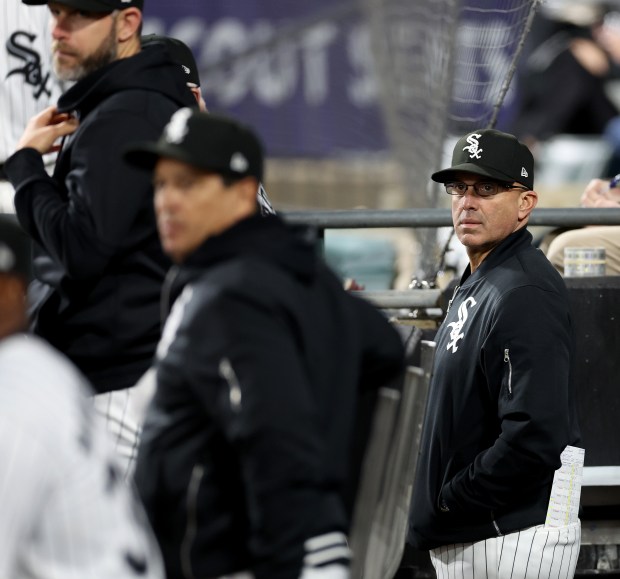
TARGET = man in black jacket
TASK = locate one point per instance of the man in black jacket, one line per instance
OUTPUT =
(501, 407)
(246, 446)
(98, 263)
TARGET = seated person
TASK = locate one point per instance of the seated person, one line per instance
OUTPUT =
(597, 194)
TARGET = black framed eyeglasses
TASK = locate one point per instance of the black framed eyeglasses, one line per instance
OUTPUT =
(482, 188)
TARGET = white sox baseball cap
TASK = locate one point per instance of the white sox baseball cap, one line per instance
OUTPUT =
(490, 153)
(179, 51)
(93, 5)
(210, 142)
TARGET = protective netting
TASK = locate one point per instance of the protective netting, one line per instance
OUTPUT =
(445, 68)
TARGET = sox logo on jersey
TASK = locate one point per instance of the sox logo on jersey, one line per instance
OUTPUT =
(457, 334)
(28, 84)
(17, 46)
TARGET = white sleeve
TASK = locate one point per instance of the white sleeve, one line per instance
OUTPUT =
(64, 509)
(23, 483)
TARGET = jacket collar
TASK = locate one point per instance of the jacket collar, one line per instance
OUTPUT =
(514, 243)
(264, 238)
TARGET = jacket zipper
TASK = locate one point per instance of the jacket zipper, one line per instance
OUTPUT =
(495, 526)
(507, 360)
(228, 373)
(191, 527)
(457, 288)
(164, 301)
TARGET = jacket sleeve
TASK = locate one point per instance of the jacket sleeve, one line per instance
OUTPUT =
(383, 348)
(265, 406)
(526, 360)
(83, 222)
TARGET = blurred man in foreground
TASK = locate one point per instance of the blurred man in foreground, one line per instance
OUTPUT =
(245, 453)
(66, 511)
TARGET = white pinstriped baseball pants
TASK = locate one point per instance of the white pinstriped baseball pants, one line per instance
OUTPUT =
(536, 553)
(123, 412)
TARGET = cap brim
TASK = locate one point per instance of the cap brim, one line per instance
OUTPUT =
(146, 155)
(447, 175)
(87, 5)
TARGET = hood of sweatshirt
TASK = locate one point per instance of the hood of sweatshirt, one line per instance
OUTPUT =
(151, 69)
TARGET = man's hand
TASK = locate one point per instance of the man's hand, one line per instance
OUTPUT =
(44, 129)
(598, 194)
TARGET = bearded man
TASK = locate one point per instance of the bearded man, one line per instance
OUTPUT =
(98, 264)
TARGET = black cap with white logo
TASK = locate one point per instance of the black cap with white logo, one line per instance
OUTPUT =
(179, 51)
(93, 5)
(490, 153)
(205, 141)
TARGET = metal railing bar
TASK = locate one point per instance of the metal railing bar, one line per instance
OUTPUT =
(395, 299)
(368, 218)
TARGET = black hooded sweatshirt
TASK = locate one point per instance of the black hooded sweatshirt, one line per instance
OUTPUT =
(98, 264)
(246, 447)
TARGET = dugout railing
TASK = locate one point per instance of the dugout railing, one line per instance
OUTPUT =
(431, 218)
(368, 218)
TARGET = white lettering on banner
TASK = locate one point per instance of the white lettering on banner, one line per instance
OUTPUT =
(228, 37)
(315, 46)
(362, 89)
(272, 75)
(276, 69)
(301, 63)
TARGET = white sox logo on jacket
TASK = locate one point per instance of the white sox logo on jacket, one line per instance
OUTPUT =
(457, 333)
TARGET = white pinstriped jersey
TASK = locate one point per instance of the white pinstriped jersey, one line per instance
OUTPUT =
(64, 510)
(28, 82)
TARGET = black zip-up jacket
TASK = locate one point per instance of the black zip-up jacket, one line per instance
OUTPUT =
(246, 446)
(98, 263)
(501, 406)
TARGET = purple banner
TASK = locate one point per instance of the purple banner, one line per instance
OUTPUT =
(313, 93)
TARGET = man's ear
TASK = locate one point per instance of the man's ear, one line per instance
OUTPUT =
(128, 24)
(247, 190)
(527, 201)
(249, 187)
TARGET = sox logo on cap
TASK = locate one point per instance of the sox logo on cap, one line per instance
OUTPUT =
(474, 146)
